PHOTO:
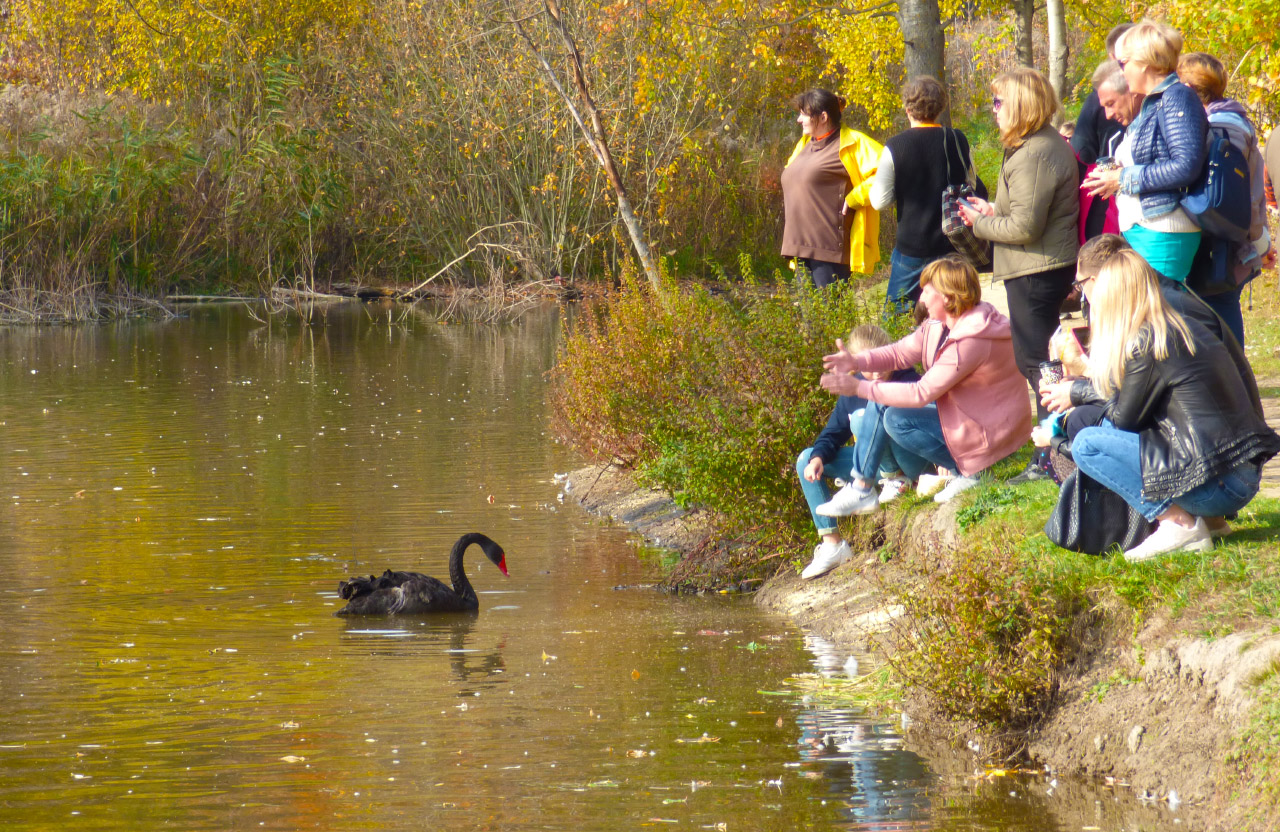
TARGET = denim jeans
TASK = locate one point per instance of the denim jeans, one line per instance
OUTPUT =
(1113, 457)
(917, 432)
(904, 282)
(844, 466)
(875, 451)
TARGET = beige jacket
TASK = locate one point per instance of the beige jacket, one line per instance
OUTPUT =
(1036, 225)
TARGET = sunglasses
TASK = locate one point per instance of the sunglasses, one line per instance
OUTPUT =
(997, 103)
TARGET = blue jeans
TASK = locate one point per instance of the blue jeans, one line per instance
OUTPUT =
(917, 432)
(874, 451)
(904, 282)
(876, 461)
(1113, 457)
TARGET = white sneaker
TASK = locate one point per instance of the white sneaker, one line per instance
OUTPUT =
(956, 486)
(849, 500)
(891, 488)
(826, 556)
(930, 484)
(1171, 537)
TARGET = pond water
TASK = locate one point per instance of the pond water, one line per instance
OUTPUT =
(178, 501)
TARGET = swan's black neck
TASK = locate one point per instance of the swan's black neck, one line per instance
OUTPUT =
(457, 576)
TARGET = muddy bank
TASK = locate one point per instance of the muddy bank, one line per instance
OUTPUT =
(1150, 713)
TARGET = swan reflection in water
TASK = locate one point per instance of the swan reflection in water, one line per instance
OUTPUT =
(419, 638)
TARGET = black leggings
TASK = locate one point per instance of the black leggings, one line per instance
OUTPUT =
(1034, 302)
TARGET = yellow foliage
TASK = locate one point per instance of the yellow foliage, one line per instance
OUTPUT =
(157, 48)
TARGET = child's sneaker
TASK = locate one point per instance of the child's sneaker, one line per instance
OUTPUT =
(826, 556)
(930, 484)
(954, 488)
(849, 500)
(891, 488)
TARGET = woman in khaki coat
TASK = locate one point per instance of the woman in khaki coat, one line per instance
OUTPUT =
(1034, 222)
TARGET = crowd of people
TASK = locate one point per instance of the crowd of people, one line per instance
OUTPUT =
(1147, 394)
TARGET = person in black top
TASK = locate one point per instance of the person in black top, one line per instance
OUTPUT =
(929, 157)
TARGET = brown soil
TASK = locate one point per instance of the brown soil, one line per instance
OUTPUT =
(1150, 713)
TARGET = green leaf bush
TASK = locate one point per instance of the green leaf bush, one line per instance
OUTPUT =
(710, 394)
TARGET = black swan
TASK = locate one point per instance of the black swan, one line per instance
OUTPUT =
(412, 592)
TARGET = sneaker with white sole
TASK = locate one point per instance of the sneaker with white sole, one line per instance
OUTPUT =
(1172, 537)
(956, 486)
(930, 484)
(849, 500)
(826, 556)
(891, 488)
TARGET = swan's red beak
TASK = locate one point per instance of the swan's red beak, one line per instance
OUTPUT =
(502, 565)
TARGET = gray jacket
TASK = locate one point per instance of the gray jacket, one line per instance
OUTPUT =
(1037, 223)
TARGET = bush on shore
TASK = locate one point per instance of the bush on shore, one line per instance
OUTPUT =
(711, 396)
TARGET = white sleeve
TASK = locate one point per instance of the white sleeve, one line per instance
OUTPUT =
(882, 196)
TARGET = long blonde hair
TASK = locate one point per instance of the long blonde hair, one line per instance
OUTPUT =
(1129, 312)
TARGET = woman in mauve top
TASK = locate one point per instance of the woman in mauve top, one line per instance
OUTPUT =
(830, 225)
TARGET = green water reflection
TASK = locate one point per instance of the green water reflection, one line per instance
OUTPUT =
(178, 501)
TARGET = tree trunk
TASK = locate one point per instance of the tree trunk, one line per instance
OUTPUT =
(595, 135)
(1024, 14)
(923, 42)
(1058, 49)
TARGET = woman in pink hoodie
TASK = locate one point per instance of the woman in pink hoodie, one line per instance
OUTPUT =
(970, 408)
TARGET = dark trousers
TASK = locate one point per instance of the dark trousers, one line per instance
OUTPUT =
(824, 273)
(1034, 302)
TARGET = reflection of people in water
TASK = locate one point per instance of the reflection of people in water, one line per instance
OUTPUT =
(866, 767)
(861, 759)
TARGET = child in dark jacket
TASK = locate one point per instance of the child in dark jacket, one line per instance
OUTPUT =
(832, 456)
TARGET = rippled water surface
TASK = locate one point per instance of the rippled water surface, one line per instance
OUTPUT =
(178, 501)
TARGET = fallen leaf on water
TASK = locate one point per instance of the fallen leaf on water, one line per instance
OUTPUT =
(637, 752)
(292, 758)
(490, 499)
(546, 657)
(703, 738)
(79, 494)
(289, 724)
(779, 723)
(635, 675)
(666, 801)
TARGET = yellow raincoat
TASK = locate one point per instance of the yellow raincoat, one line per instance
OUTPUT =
(861, 156)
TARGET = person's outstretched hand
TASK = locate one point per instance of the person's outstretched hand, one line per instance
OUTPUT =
(841, 384)
(840, 361)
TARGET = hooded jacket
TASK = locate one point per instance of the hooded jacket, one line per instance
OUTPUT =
(860, 154)
(971, 375)
(1229, 115)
